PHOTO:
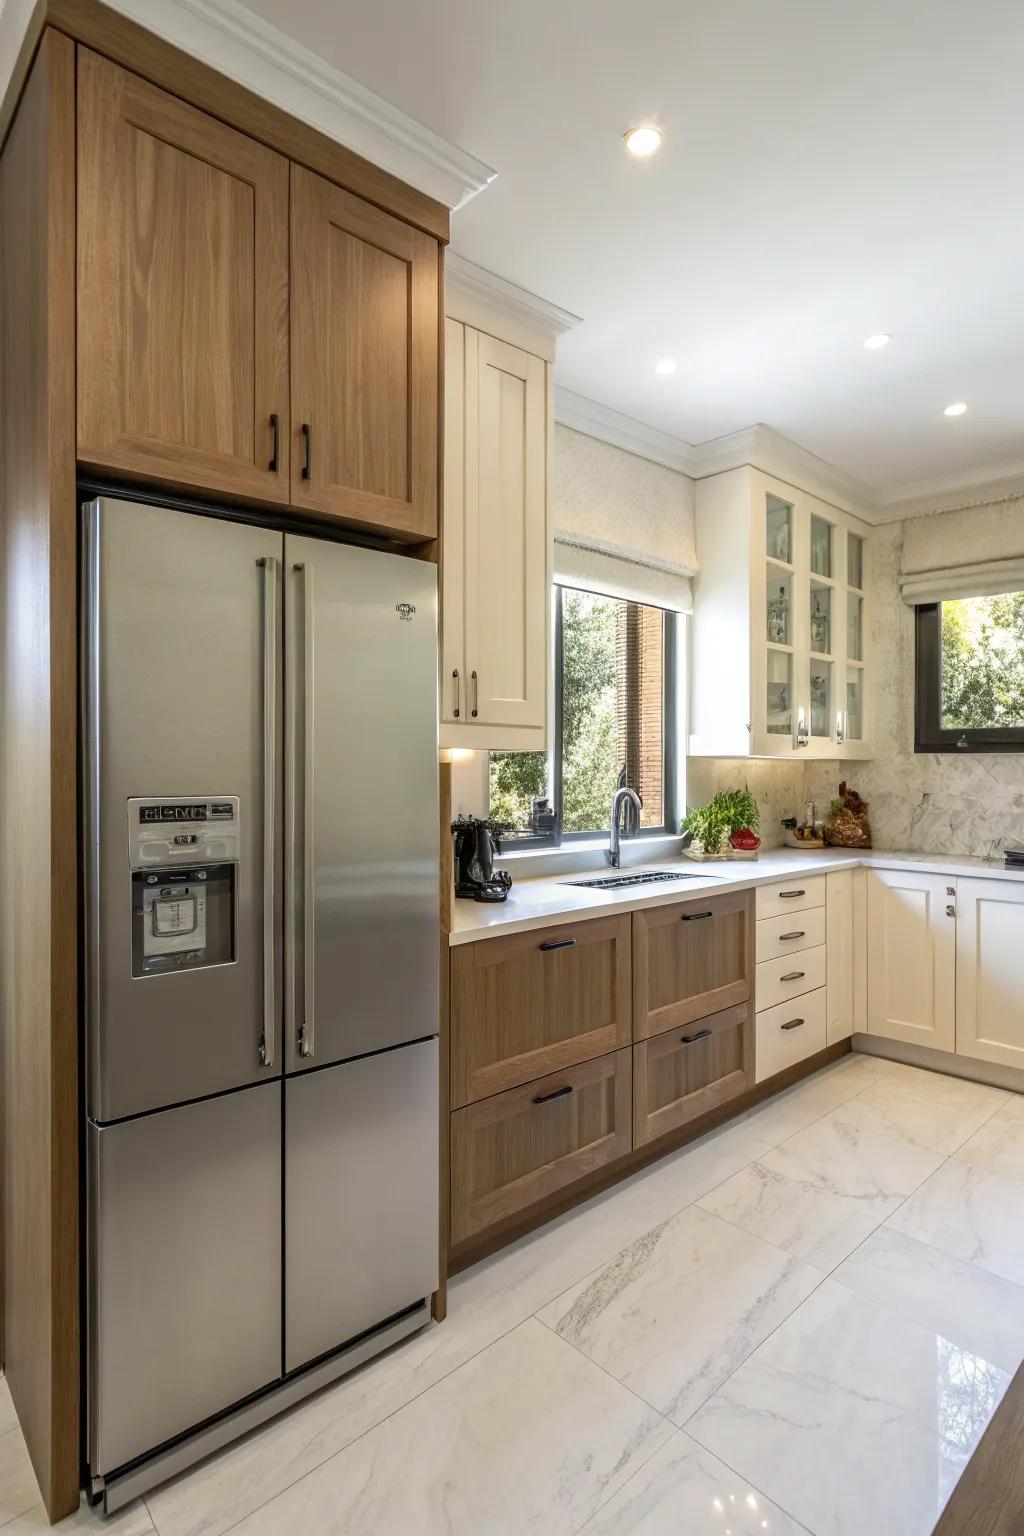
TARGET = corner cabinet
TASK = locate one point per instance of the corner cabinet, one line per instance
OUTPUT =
(495, 564)
(990, 971)
(780, 663)
(912, 957)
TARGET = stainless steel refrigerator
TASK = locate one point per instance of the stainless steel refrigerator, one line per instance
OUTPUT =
(261, 954)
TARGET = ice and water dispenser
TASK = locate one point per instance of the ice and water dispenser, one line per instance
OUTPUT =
(183, 854)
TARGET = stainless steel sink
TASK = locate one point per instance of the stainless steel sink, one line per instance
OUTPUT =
(648, 877)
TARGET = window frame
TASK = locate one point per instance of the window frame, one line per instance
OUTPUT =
(929, 734)
(558, 838)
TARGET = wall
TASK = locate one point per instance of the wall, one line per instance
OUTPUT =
(930, 802)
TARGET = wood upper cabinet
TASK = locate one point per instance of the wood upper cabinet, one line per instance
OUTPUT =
(533, 1003)
(182, 292)
(690, 960)
(364, 364)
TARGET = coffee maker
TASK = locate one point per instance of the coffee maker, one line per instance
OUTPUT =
(476, 843)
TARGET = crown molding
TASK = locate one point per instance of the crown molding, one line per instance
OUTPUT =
(241, 45)
(774, 454)
(463, 279)
(610, 426)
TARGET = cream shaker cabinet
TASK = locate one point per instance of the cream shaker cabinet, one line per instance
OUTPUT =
(495, 559)
(839, 928)
(779, 637)
(912, 957)
(990, 971)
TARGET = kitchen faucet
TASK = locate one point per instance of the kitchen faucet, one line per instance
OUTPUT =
(620, 798)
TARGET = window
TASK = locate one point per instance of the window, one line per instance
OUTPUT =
(615, 724)
(970, 675)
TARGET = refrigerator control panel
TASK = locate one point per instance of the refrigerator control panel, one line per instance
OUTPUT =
(182, 830)
(182, 918)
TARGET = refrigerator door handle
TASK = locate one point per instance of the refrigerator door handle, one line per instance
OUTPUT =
(306, 1032)
(268, 565)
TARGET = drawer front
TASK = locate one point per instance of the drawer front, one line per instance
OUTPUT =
(679, 1076)
(789, 933)
(691, 959)
(533, 1003)
(789, 1033)
(790, 976)
(516, 1148)
(793, 895)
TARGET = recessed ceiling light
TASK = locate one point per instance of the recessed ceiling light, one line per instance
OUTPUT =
(877, 341)
(643, 141)
(956, 409)
(665, 366)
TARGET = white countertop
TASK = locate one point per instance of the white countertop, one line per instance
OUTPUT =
(548, 901)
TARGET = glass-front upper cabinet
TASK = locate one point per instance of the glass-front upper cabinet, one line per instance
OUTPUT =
(779, 656)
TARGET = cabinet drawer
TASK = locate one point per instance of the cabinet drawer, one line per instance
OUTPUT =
(793, 895)
(516, 1148)
(791, 932)
(534, 1003)
(790, 976)
(789, 1033)
(677, 1077)
(691, 959)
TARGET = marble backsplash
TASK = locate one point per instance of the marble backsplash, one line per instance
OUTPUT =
(778, 788)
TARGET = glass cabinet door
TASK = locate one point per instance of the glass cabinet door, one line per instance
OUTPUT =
(851, 718)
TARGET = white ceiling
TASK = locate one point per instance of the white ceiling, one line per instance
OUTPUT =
(830, 168)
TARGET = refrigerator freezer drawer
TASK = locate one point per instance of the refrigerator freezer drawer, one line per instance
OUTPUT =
(361, 1173)
(185, 1273)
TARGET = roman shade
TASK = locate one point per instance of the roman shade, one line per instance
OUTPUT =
(983, 578)
(617, 571)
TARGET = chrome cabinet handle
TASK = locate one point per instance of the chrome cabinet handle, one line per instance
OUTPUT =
(306, 1030)
(455, 678)
(793, 1024)
(265, 1051)
(476, 694)
(801, 934)
(951, 911)
(558, 944)
(559, 1093)
(793, 976)
(702, 1034)
(275, 427)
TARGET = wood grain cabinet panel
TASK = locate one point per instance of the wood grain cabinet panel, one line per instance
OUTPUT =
(690, 960)
(677, 1077)
(532, 1003)
(365, 337)
(182, 292)
(517, 1148)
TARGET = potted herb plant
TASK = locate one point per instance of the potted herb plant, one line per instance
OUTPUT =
(724, 828)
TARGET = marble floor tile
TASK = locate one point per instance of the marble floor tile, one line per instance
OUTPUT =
(1013, 1109)
(673, 1315)
(484, 1303)
(890, 1108)
(820, 1194)
(527, 1436)
(685, 1491)
(957, 1300)
(997, 1146)
(852, 1418)
(972, 1214)
(946, 1089)
(786, 1113)
(18, 1487)
(8, 1417)
(133, 1520)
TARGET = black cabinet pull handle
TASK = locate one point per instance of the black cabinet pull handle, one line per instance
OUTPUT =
(307, 441)
(695, 917)
(476, 694)
(801, 935)
(793, 1024)
(793, 976)
(455, 677)
(558, 944)
(275, 427)
(559, 1093)
(701, 1034)
(789, 895)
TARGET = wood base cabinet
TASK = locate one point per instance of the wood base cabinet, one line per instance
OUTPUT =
(533, 1003)
(513, 1150)
(677, 1078)
(691, 960)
